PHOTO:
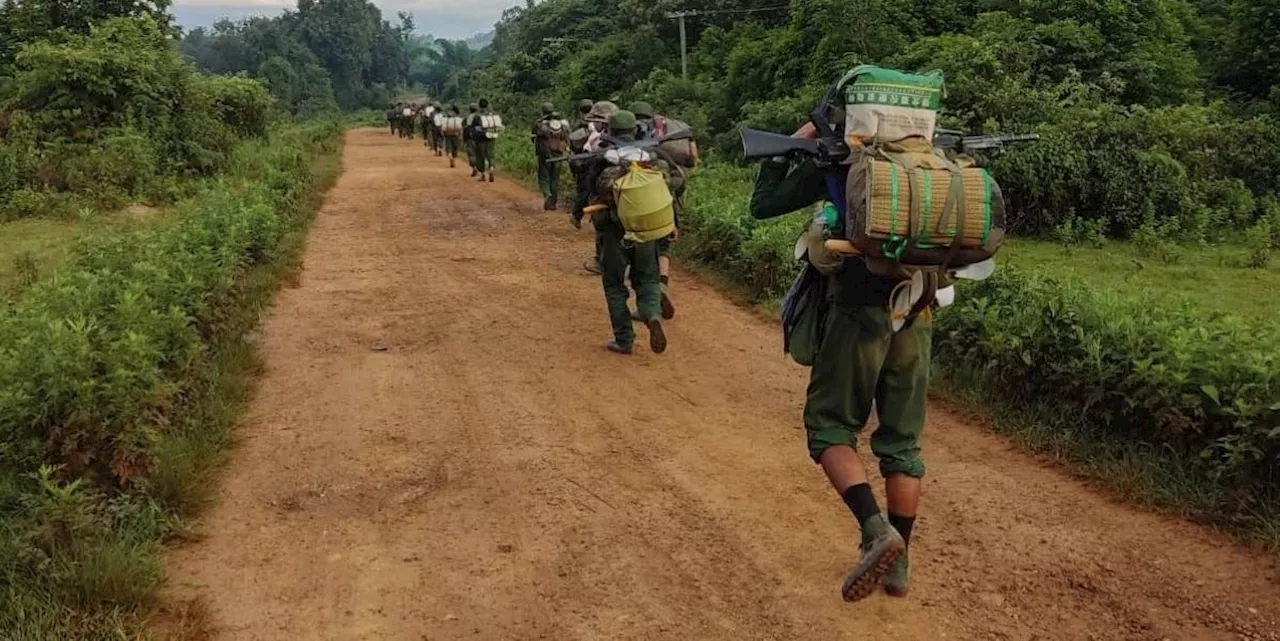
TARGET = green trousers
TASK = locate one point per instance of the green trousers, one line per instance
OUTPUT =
(451, 145)
(616, 254)
(471, 152)
(860, 363)
(484, 155)
(549, 179)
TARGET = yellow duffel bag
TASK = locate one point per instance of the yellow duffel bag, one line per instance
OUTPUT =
(644, 204)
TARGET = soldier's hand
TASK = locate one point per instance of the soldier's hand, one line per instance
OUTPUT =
(675, 235)
(576, 220)
(807, 130)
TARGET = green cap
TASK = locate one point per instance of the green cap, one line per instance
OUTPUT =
(585, 104)
(622, 120)
(473, 107)
(641, 109)
(547, 108)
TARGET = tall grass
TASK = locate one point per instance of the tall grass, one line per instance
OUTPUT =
(80, 525)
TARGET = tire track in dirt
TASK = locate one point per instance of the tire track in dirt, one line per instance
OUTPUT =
(440, 448)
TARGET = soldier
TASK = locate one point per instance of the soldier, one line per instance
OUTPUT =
(550, 138)
(468, 136)
(452, 136)
(594, 119)
(391, 117)
(484, 126)
(649, 125)
(861, 362)
(435, 136)
(424, 121)
(406, 121)
(618, 254)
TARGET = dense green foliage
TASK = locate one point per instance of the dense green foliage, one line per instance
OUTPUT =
(327, 54)
(103, 370)
(115, 115)
(1146, 123)
(120, 370)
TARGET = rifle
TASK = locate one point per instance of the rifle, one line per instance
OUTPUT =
(615, 145)
(763, 144)
(952, 140)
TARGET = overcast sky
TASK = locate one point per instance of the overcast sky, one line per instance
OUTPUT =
(454, 19)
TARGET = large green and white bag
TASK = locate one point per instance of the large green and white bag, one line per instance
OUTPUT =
(886, 105)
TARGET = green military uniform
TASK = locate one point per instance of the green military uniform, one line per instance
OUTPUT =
(482, 145)
(617, 253)
(436, 138)
(595, 114)
(645, 128)
(467, 137)
(861, 361)
(391, 119)
(406, 122)
(452, 141)
(548, 172)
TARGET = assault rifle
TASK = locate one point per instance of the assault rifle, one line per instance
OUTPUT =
(951, 140)
(618, 145)
(763, 144)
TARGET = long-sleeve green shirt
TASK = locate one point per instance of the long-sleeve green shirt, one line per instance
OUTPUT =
(780, 190)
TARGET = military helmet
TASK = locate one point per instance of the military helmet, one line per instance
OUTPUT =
(473, 107)
(601, 111)
(641, 109)
(622, 120)
(547, 108)
(585, 105)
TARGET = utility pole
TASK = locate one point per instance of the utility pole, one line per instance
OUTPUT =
(684, 41)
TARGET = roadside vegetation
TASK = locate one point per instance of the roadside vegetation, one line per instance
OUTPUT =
(148, 213)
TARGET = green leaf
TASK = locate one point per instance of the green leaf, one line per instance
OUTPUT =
(1211, 392)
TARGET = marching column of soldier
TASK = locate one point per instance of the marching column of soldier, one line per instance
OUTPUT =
(879, 255)
(624, 262)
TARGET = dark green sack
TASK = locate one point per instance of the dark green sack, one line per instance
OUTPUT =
(804, 315)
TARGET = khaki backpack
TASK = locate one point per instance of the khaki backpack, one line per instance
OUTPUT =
(910, 208)
(554, 133)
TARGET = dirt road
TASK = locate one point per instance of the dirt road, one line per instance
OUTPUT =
(441, 448)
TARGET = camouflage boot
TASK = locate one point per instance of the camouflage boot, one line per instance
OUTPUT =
(881, 546)
(897, 578)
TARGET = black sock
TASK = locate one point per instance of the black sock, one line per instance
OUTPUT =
(903, 525)
(861, 502)
(664, 279)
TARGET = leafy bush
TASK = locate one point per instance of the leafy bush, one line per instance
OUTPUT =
(1153, 241)
(1258, 241)
(242, 104)
(1075, 231)
(99, 365)
(1202, 383)
(109, 113)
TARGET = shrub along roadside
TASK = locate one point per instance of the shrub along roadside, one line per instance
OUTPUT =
(1170, 405)
(119, 378)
